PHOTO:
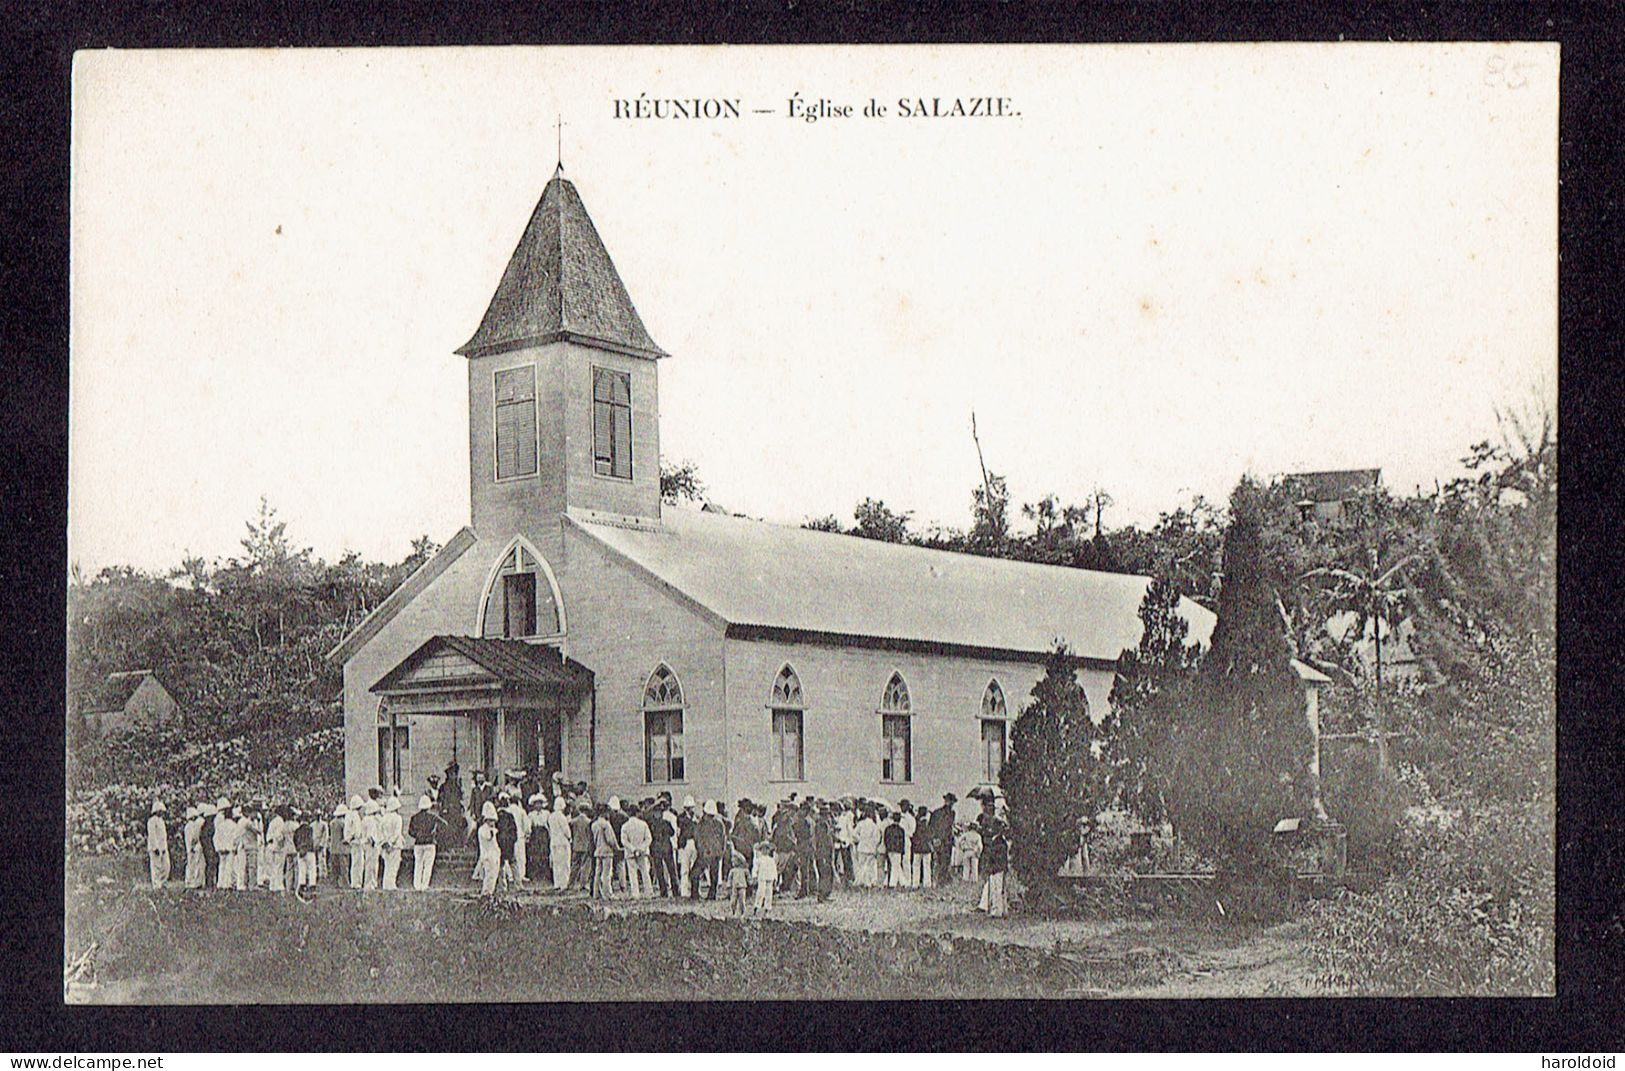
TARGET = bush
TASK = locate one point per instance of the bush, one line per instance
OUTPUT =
(1470, 911)
(112, 817)
(1365, 796)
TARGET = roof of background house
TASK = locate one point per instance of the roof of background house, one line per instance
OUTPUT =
(760, 577)
(1334, 485)
(561, 284)
(118, 688)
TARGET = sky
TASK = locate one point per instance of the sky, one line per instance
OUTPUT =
(1164, 267)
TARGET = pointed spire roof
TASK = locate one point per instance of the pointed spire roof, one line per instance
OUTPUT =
(561, 284)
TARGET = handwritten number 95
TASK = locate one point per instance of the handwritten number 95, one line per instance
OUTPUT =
(1503, 75)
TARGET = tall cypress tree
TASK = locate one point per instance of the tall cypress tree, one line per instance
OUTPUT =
(1052, 778)
(1238, 754)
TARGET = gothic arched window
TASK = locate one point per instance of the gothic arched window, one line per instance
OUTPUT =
(995, 732)
(896, 732)
(521, 600)
(787, 707)
(663, 758)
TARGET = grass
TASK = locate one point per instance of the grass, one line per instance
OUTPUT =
(205, 946)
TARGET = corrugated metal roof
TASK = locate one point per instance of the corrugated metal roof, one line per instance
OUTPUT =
(751, 573)
(560, 284)
(1334, 485)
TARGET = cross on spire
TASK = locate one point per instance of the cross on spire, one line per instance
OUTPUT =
(558, 130)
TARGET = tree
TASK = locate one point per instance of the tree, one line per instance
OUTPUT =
(1135, 729)
(1052, 778)
(827, 523)
(990, 524)
(680, 483)
(877, 521)
(1374, 593)
(1239, 742)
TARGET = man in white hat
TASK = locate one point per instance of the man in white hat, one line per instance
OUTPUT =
(158, 845)
(635, 843)
(558, 844)
(426, 829)
(353, 840)
(275, 853)
(225, 844)
(389, 840)
(370, 843)
(190, 833)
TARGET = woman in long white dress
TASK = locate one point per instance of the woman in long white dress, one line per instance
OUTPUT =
(867, 831)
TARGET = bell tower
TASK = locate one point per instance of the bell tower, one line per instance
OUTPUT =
(563, 386)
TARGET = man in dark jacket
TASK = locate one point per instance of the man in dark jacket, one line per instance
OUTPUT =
(942, 838)
(711, 845)
(662, 852)
(479, 793)
(823, 852)
(784, 846)
(801, 824)
(211, 854)
(617, 819)
(427, 829)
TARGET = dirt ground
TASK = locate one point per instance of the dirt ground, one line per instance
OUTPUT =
(860, 943)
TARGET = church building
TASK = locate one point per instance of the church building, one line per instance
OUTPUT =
(578, 624)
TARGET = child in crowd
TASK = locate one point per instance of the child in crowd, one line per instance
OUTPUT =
(765, 871)
(738, 881)
(970, 853)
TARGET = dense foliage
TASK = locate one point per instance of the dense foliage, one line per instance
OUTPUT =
(1135, 728)
(1052, 779)
(240, 643)
(1469, 908)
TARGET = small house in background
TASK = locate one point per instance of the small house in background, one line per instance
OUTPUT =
(1399, 659)
(135, 697)
(1322, 496)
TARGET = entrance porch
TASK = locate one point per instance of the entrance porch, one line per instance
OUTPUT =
(499, 706)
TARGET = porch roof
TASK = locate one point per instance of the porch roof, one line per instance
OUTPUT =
(465, 662)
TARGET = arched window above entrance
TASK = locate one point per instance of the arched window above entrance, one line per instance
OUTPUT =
(521, 599)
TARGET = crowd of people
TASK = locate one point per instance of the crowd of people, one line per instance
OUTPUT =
(554, 834)
(241, 846)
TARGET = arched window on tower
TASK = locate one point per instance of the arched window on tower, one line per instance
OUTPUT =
(896, 732)
(995, 732)
(787, 707)
(663, 727)
(520, 602)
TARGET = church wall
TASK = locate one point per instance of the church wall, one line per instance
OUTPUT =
(622, 625)
(842, 687)
(449, 605)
